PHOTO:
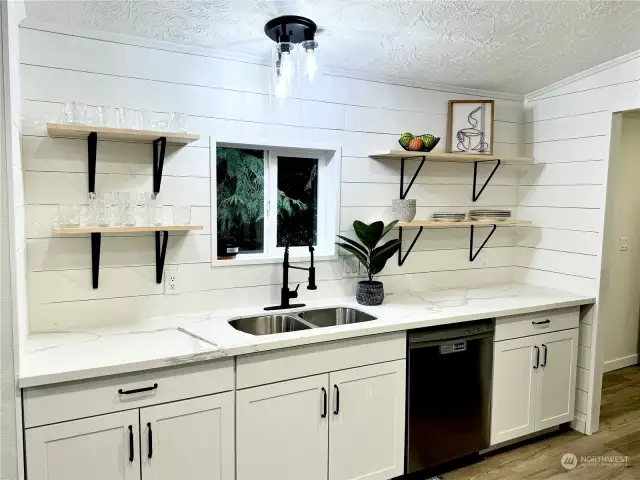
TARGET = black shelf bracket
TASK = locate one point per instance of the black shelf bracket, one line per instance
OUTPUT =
(92, 143)
(402, 259)
(473, 256)
(476, 196)
(403, 193)
(159, 147)
(161, 253)
(95, 257)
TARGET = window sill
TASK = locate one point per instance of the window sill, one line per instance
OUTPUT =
(272, 260)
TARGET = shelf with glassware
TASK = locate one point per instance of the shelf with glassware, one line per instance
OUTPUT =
(448, 157)
(472, 224)
(159, 140)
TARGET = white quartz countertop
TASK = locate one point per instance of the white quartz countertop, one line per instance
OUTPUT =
(163, 341)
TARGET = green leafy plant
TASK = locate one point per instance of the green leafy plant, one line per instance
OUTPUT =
(372, 257)
(240, 190)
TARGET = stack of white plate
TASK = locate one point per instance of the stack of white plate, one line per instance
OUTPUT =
(448, 217)
(489, 215)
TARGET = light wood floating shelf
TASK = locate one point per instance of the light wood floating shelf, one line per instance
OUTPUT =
(124, 229)
(106, 133)
(463, 223)
(447, 157)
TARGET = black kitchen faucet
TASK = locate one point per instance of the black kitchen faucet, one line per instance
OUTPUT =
(285, 293)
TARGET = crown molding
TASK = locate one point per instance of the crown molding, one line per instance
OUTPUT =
(538, 94)
(119, 38)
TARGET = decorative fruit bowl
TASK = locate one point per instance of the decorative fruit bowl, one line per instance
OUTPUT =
(418, 143)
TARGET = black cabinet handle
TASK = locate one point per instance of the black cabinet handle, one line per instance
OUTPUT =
(544, 322)
(535, 367)
(138, 390)
(544, 361)
(337, 409)
(324, 409)
(150, 438)
(130, 443)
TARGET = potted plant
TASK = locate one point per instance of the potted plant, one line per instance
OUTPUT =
(372, 257)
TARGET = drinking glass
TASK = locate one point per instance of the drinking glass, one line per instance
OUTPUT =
(95, 116)
(178, 122)
(130, 118)
(79, 113)
(111, 117)
(154, 210)
(68, 215)
(127, 206)
(87, 218)
(67, 112)
(100, 210)
(161, 122)
(181, 214)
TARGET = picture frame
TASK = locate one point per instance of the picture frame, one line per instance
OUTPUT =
(470, 126)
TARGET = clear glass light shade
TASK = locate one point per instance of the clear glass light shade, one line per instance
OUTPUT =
(309, 66)
(285, 69)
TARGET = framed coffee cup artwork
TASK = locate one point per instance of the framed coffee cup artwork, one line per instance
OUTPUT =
(470, 127)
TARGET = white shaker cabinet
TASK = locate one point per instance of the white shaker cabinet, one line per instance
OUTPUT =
(97, 448)
(189, 440)
(282, 430)
(557, 378)
(366, 433)
(534, 380)
(514, 389)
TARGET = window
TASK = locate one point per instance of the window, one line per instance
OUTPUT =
(268, 198)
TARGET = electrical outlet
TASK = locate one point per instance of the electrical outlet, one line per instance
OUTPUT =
(624, 244)
(171, 282)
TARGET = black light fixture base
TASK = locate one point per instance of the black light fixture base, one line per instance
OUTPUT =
(290, 28)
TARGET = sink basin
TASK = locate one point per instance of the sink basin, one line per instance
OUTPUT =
(268, 324)
(329, 317)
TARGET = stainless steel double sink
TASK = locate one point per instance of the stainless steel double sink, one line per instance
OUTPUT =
(304, 320)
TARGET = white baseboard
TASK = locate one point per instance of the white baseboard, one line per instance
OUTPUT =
(621, 362)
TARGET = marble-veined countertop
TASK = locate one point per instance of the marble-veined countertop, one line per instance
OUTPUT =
(79, 354)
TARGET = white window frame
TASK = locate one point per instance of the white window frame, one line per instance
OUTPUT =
(328, 221)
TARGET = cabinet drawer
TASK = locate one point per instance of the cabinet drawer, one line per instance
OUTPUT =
(534, 323)
(296, 362)
(68, 401)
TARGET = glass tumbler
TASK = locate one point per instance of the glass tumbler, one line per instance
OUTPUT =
(67, 112)
(111, 117)
(178, 122)
(79, 113)
(127, 205)
(68, 215)
(100, 210)
(155, 210)
(181, 214)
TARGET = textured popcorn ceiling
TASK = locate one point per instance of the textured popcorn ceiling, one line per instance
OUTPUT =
(511, 46)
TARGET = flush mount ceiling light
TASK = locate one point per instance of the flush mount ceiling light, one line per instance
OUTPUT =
(294, 51)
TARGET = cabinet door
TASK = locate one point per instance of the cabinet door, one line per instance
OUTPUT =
(367, 422)
(282, 430)
(556, 378)
(189, 440)
(514, 389)
(96, 448)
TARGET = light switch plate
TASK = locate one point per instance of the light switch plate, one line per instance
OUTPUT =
(350, 267)
(624, 244)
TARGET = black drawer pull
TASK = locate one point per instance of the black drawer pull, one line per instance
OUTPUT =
(542, 323)
(150, 454)
(337, 409)
(535, 367)
(138, 390)
(544, 362)
(324, 409)
(130, 443)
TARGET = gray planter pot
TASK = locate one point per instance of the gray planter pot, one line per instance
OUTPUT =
(370, 293)
(403, 210)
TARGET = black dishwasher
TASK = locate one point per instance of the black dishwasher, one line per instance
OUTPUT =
(449, 378)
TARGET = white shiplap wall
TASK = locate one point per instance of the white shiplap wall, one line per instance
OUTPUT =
(223, 96)
(568, 131)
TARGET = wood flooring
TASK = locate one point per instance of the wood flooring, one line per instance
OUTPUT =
(619, 435)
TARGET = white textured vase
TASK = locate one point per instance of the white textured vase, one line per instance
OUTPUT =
(403, 210)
